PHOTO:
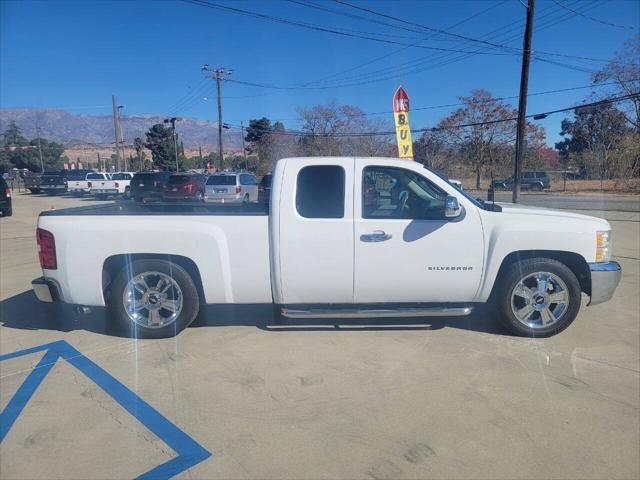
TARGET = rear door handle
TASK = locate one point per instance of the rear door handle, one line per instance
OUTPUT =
(377, 236)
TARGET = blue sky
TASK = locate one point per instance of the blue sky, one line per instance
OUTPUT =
(75, 54)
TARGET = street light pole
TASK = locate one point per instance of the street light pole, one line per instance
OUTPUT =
(522, 104)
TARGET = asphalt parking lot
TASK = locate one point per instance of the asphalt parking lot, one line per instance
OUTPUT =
(240, 395)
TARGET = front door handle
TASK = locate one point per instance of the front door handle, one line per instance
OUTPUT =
(377, 236)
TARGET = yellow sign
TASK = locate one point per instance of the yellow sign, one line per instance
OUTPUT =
(403, 134)
(403, 131)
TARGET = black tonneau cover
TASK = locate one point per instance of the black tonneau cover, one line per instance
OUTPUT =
(126, 208)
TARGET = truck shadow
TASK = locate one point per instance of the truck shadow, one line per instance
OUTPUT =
(25, 312)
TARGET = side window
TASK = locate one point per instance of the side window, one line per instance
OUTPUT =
(396, 193)
(528, 174)
(320, 192)
(243, 179)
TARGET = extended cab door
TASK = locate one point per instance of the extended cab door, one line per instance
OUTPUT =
(405, 251)
(312, 231)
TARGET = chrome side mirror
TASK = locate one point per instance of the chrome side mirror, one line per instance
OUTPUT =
(451, 207)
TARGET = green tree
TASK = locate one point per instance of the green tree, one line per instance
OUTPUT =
(593, 136)
(256, 130)
(28, 157)
(160, 142)
(139, 161)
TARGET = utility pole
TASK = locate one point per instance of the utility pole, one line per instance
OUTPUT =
(219, 74)
(173, 121)
(244, 151)
(39, 147)
(116, 130)
(124, 158)
(522, 104)
(100, 169)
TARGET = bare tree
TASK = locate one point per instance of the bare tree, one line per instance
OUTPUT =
(334, 130)
(624, 72)
(481, 127)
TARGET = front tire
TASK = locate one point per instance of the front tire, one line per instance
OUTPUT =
(153, 299)
(537, 297)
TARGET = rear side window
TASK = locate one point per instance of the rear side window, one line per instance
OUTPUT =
(320, 192)
(221, 180)
(178, 179)
(247, 179)
(266, 181)
(143, 177)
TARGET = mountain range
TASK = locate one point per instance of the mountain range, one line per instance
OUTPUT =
(97, 131)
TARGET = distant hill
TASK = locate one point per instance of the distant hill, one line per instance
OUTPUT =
(97, 130)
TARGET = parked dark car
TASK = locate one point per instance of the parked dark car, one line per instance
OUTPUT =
(148, 185)
(32, 181)
(5, 199)
(535, 181)
(264, 189)
(185, 186)
(53, 183)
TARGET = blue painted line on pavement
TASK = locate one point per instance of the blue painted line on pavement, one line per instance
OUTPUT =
(189, 451)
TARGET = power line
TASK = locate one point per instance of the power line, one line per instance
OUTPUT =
(459, 104)
(593, 19)
(457, 35)
(411, 65)
(465, 125)
(318, 28)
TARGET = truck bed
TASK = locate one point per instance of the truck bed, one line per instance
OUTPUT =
(127, 208)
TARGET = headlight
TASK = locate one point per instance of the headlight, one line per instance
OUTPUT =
(603, 246)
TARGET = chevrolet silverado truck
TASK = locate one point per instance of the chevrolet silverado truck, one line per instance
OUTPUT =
(344, 237)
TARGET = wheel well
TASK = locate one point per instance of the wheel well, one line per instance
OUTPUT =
(576, 263)
(115, 263)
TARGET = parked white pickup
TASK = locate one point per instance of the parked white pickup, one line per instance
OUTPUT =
(345, 237)
(82, 186)
(119, 184)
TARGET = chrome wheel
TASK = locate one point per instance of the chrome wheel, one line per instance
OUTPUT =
(152, 299)
(540, 300)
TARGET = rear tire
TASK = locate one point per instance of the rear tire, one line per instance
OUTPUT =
(536, 188)
(162, 308)
(537, 297)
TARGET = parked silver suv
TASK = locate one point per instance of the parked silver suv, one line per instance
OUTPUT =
(231, 187)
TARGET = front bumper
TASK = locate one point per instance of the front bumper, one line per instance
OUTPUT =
(604, 280)
(46, 290)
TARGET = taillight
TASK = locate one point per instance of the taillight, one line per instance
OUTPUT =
(46, 249)
(88, 184)
(7, 192)
(189, 187)
(117, 185)
(238, 188)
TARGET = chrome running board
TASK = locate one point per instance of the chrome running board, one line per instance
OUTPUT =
(376, 313)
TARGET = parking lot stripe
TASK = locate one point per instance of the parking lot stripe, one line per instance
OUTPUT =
(189, 452)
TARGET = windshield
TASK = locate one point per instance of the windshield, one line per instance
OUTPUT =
(95, 176)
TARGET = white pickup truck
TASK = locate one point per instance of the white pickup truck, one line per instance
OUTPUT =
(81, 186)
(345, 237)
(118, 184)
